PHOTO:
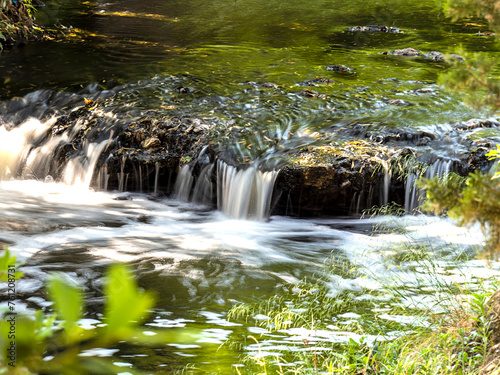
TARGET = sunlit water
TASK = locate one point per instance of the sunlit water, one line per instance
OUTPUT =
(247, 64)
(200, 263)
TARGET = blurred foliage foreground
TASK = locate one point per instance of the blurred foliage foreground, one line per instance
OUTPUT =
(32, 342)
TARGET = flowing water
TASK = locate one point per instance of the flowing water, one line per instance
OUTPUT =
(255, 66)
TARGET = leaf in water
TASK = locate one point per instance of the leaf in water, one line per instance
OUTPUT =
(126, 305)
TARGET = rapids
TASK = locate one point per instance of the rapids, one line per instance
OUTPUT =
(254, 74)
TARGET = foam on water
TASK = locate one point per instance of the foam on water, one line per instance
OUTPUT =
(203, 258)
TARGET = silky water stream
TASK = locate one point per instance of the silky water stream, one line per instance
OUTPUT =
(202, 261)
(259, 68)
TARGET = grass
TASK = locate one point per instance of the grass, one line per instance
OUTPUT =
(452, 339)
(454, 345)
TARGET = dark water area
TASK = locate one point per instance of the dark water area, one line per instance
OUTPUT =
(228, 42)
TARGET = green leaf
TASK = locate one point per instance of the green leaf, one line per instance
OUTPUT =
(7, 265)
(67, 300)
(126, 305)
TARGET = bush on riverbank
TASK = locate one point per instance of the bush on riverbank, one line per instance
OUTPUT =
(17, 26)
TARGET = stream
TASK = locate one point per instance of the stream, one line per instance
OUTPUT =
(259, 70)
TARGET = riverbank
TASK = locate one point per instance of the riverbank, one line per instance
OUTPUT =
(17, 26)
(459, 334)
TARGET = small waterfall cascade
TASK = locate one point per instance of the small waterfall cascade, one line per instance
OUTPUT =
(157, 177)
(122, 177)
(26, 151)
(387, 183)
(203, 191)
(241, 193)
(16, 144)
(183, 184)
(414, 197)
(80, 169)
(244, 193)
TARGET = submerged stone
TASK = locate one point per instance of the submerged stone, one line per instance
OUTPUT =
(375, 29)
(432, 55)
(341, 69)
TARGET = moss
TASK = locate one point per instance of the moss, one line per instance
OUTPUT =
(346, 153)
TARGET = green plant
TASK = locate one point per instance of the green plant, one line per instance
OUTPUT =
(52, 343)
(474, 77)
(475, 199)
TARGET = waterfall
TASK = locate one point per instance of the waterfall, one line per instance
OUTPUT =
(183, 184)
(26, 151)
(203, 190)
(414, 196)
(241, 193)
(157, 177)
(16, 144)
(387, 182)
(80, 169)
(103, 177)
(244, 193)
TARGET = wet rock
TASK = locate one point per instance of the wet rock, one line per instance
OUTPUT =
(426, 90)
(316, 82)
(399, 103)
(184, 90)
(334, 179)
(432, 55)
(485, 33)
(375, 29)
(311, 94)
(152, 142)
(403, 52)
(477, 123)
(141, 155)
(268, 85)
(341, 69)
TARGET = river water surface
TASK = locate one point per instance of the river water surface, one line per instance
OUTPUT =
(247, 62)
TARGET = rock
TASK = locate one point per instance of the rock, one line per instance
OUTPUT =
(184, 90)
(476, 123)
(399, 103)
(412, 52)
(143, 153)
(404, 52)
(152, 142)
(485, 33)
(375, 29)
(341, 69)
(316, 82)
(311, 94)
(268, 85)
